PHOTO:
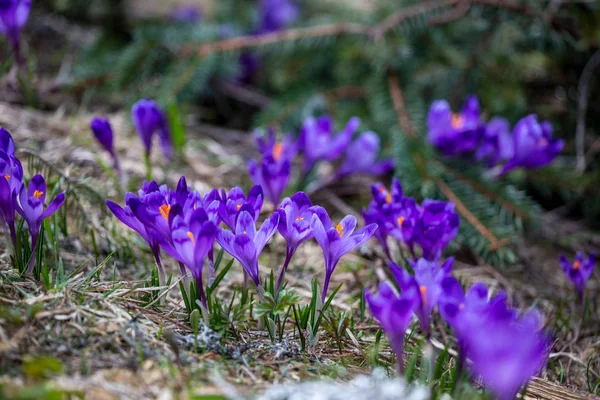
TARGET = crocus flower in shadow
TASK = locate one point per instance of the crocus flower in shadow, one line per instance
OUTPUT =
(427, 281)
(497, 143)
(318, 142)
(336, 241)
(31, 208)
(246, 244)
(454, 133)
(7, 144)
(533, 145)
(394, 314)
(272, 175)
(187, 13)
(149, 119)
(361, 157)
(579, 271)
(11, 177)
(13, 16)
(295, 214)
(506, 350)
(232, 202)
(438, 225)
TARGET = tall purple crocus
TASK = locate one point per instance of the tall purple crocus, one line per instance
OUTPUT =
(507, 350)
(104, 135)
(246, 244)
(13, 16)
(451, 133)
(148, 119)
(394, 314)
(318, 141)
(275, 15)
(438, 225)
(11, 177)
(579, 271)
(192, 239)
(335, 241)
(427, 280)
(361, 157)
(533, 145)
(31, 208)
(232, 203)
(295, 214)
(497, 143)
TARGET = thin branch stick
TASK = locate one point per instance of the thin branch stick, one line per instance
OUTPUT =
(495, 244)
(398, 100)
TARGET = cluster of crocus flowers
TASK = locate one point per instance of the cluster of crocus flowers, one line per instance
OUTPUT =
(431, 226)
(579, 271)
(317, 142)
(530, 145)
(15, 197)
(185, 224)
(485, 328)
(13, 16)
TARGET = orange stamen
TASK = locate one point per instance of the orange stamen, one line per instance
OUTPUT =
(340, 230)
(381, 189)
(277, 151)
(400, 221)
(577, 264)
(299, 219)
(244, 232)
(238, 207)
(165, 209)
(191, 236)
(457, 121)
(195, 206)
(37, 194)
(7, 176)
(388, 198)
(423, 291)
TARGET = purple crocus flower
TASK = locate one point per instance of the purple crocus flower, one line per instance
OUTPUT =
(104, 135)
(381, 209)
(438, 225)
(463, 311)
(497, 144)
(246, 244)
(361, 157)
(394, 314)
(31, 208)
(275, 15)
(272, 175)
(318, 142)
(127, 217)
(506, 353)
(427, 281)
(148, 119)
(187, 13)
(533, 144)
(452, 133)
(579, 271)
(13, 16)
(11, 177)
(192, 239)
(7, 144)
(335, 241)
(231, 204)
(405, 218)
(295, 214)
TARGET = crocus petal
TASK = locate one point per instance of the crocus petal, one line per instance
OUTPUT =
(54, 205)
(266, 232)
(245, 225)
